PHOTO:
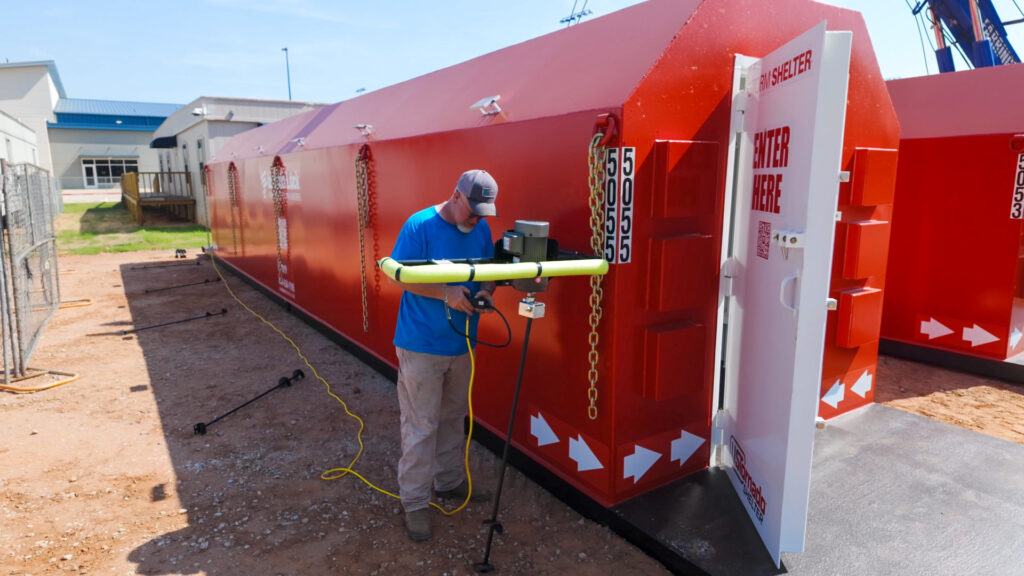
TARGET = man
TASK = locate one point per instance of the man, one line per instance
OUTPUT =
(433, 362)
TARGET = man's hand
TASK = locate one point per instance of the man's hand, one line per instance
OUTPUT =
(486, 296)
(457, 297)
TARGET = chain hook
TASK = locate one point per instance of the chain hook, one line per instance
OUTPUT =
(606, 125)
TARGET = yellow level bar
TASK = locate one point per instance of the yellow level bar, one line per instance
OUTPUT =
(452, 272)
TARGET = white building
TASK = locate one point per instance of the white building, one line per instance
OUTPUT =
(94, 142)
(17, 141)
(82, 143)
(29, 91)
(89, 144)
(198, 130)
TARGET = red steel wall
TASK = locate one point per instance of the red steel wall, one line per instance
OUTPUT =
(658, 331)
(956, 252)
(955, 262)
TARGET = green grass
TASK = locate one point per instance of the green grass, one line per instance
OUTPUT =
(108, 227)
(82, 207)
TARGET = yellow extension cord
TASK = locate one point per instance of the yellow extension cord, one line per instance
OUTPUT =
(71, 378)
(75, 303)
(335, 473)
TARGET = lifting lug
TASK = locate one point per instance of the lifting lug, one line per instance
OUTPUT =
(606, 124)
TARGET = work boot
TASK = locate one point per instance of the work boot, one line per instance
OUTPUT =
(417, 524)
(460, 491)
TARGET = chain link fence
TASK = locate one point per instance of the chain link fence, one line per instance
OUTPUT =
(29, 286)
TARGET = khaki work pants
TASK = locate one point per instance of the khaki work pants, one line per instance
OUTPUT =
(432, 395)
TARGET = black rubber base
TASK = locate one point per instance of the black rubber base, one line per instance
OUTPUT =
(1006, 370)
(614, 518)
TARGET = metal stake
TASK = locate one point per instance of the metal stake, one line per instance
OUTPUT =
(207, 281)
(207, 315)
(201, 427)
(485, 566)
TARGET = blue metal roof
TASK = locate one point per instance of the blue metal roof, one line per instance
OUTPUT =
(114, 108)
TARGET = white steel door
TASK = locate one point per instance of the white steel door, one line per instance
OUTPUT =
(788, 119)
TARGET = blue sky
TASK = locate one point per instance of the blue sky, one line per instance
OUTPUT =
(161, 51)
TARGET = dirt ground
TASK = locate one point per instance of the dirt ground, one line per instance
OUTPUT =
(988, 406)
(104, 475)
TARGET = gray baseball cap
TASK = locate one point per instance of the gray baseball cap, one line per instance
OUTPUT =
(481, 190)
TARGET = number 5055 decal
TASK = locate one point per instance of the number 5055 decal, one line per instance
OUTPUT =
(620, 167)
(1017, 206)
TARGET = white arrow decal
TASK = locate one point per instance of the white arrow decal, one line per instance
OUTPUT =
(638, 463)
(978, 336)
(1015, 337)
(584, 457)
(835, 395)
(684, 446)
(540, 429)
(863, 384)
(934, 329)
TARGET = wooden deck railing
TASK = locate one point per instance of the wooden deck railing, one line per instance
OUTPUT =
(171, 191)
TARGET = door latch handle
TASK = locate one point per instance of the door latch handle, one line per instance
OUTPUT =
(782, 292)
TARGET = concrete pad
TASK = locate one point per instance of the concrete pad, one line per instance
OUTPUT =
(891, 493)
(894, 492)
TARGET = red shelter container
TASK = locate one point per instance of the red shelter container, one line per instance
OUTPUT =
(955, 276)
(656, 81)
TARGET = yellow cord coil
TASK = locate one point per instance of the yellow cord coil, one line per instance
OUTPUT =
(339, 472)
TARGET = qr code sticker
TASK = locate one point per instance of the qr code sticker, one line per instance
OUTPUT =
(764, 236)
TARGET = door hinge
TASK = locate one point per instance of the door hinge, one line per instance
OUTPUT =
(718, 427)
(739, 110)
(725, 286)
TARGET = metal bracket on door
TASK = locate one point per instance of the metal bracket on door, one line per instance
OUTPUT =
(787, 240)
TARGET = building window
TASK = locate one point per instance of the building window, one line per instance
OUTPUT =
(184, 157)
(106, 172)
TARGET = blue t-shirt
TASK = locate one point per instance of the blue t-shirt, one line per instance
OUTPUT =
(422, 324)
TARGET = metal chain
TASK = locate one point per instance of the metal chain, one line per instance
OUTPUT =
(371, 201)
(363, 205)
(280, 206)
(233, 200)
(597, 239)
